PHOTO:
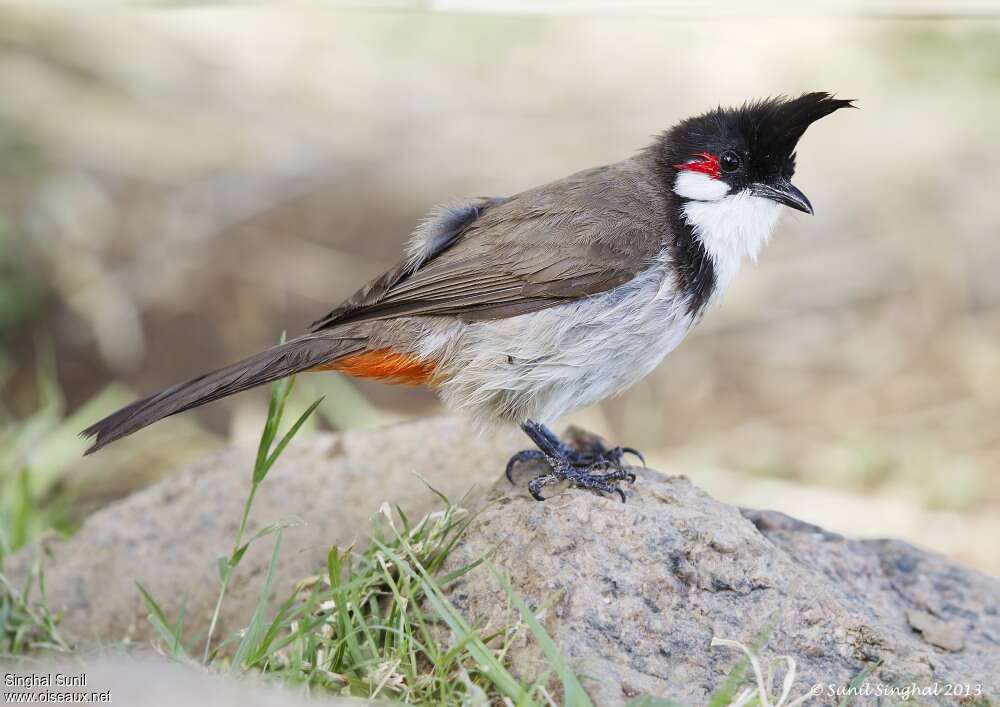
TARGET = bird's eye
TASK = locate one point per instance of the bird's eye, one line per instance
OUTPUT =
(730, 161)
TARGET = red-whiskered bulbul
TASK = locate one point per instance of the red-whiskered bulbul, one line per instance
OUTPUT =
(520, 309)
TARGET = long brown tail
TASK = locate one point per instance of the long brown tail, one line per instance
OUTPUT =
(304, 353)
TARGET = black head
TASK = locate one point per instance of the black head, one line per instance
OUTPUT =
(750, 147)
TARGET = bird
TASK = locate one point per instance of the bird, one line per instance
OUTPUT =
(520, 309)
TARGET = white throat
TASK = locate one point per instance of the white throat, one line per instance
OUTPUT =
(730, 226)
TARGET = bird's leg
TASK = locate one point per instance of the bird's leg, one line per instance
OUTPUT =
(576, 466)
(593, 452)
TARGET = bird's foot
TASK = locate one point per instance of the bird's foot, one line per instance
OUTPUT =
(594, 452)
(576, 465)
(582, 478)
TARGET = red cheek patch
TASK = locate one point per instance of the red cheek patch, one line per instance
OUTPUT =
(706, 164)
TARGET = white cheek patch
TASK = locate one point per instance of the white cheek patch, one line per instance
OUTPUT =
(731, 229)
(699, 186)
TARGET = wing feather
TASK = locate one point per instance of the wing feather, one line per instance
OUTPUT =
(570, 239)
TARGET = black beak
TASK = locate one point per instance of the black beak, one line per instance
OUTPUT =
(784, 192)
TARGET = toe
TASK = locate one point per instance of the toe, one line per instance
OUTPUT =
(526, 455)
(536, 485)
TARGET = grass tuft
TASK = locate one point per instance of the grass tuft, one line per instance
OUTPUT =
(26, 623)
(375, 624)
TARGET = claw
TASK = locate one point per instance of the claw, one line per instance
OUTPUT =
(523, 456)
(536, 484)
(636, 453)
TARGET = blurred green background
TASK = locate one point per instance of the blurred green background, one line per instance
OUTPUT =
(178, 185)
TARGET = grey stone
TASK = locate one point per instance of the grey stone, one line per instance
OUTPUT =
(645, 587)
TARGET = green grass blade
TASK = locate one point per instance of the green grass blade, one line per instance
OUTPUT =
(274, 412)
(573, 692)
(267, 642)
(488, 662)
(253, 630)
(169, 633)
(853, 686)
(342, 595)
(273, 457)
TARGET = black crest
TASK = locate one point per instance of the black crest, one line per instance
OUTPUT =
(771, 128)
(776, 124)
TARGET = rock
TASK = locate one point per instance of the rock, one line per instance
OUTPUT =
(169, 536)
(936, 632)
(647, 585)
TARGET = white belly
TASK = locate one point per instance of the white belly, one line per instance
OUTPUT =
(547, 363)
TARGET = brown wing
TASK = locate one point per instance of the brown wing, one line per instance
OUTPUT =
(576, 237)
